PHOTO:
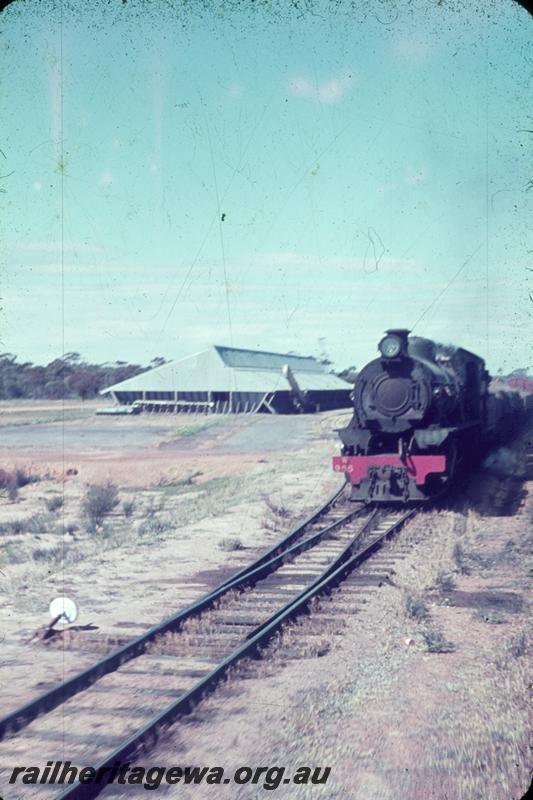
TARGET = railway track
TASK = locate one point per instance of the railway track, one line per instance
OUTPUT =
(104, 714)
(18, 719)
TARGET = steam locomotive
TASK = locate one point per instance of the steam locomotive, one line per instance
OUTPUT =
(422, 413)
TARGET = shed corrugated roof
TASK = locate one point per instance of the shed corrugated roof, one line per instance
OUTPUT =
(225, 369)
(258, 359)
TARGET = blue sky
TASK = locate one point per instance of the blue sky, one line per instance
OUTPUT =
(179, 174)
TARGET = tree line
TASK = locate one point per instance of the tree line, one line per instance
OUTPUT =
(72, 377)
(63, 378)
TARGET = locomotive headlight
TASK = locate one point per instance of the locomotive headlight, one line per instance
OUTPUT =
(390, 347)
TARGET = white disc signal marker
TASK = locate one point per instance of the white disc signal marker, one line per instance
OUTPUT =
(66, 607)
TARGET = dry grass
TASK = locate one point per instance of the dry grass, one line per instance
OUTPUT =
(277, 515)
(34, 544)
(176, 483)
(417, 610)
(36, 523)
(484, 737)
(277, 509)
(149, 518)
(154, 527)
(230, 543)
(192, 634)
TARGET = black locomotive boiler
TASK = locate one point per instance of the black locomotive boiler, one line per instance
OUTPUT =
(422, 413)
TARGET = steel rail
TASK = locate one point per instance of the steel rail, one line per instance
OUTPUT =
(291, 537)
(332, 576)
(21, 717)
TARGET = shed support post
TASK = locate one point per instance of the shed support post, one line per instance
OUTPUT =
(266, 401)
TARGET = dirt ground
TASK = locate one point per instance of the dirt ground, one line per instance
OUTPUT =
(58, 437)
(189, 498)
(427, 704)
(419, 688)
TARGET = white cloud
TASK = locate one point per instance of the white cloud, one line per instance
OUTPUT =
(416, 177)
(328, 91)
(235, 89)
(386, 187)
(306, 261)
(55, 246)
(106, 179)
(412, 47)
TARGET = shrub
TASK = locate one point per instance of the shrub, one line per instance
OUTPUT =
(486, 615)
(128, 507)
(415, 607)
(99, 500)
(49, 553)
(12, 491)
(22, 478)
(151, 508)
(36, 524)
(436, 643)
(14, 526)
(14, 554)
(230, 543)
(277, 510)
(54, 503)
(445, 582)
(12, 481)
(461, 559)
(153, 526)
(8, 483)
(517, 645)
(71, 527)
(316, 648)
